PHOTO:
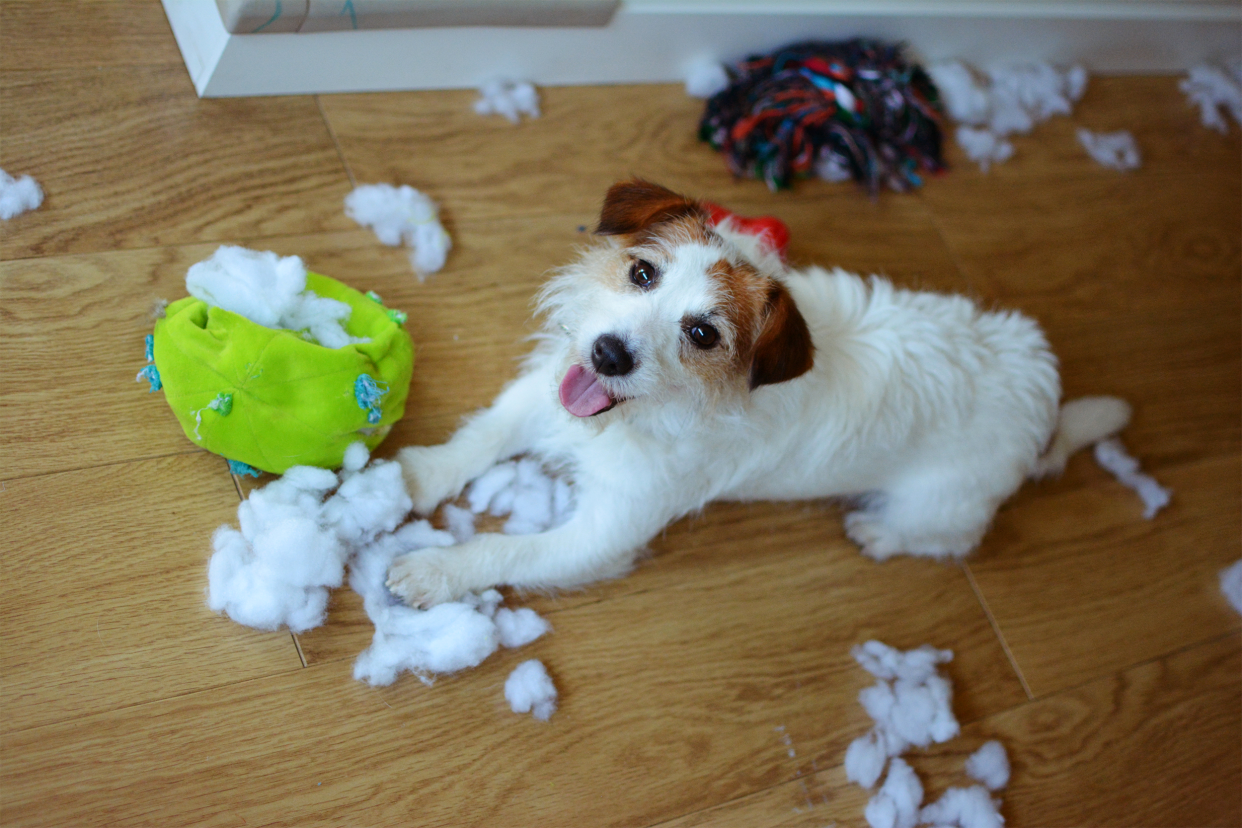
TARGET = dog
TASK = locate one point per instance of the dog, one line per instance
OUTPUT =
(683, 362)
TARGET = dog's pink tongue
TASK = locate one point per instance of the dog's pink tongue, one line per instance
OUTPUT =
(581, 393)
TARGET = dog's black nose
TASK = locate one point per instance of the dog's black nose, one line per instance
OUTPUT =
(610, 357)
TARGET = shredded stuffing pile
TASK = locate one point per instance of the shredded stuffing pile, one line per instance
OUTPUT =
(991, 107)
(17, 195)
(1231, 584)
(402, 215)
(912, 706)
(1213, 89)
(1112, 456)
(297, 535)
(512, 99)
(269, 290)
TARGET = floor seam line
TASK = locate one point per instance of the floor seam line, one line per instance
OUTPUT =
(996, 630)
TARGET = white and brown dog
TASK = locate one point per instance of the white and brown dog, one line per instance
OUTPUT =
(683, 362)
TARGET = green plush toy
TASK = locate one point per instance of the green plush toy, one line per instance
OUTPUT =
(270, 399)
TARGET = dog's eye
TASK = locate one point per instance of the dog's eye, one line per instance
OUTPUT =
(643, 274)
(703, 335)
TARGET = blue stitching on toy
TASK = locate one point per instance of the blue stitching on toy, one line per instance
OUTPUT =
(150, 347)
(369, 395)
(239, 468)
(152, 375)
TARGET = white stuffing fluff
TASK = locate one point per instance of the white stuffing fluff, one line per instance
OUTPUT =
(402, 215)
(1111, 454)
(293, 545)
(529, 689)
(17, 195)
(1009, 100)
(705, 77)
(271, 291)
(1213, 89)
(989, 765)
(356, 457)
(519, 627)
(1231, 584)
(964, 808)
(1116, 150)
(864, 760)
(983, 146)
(896, 804)
(533, 501)
(963, 92)
(513, 99)
(911, 705)
(460, 522)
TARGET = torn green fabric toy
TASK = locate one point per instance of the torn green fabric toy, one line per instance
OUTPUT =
(270, 398)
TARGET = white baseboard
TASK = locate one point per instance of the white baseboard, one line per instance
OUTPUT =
(653, 42)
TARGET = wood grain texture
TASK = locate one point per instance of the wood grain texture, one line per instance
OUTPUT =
(128, 157)
(1137, 286)
(102, 592)
(80, 34)
(770, 659)
(564, 160)
(1115, 589)
(1150, 746)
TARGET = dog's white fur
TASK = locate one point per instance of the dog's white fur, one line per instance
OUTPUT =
(927, 410)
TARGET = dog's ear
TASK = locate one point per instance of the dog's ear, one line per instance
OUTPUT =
(784, 349)
(635, 205)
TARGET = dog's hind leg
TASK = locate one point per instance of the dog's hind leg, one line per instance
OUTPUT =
(434, 474)
(930, 515)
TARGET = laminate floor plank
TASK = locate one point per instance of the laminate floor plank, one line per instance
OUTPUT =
(102, 597)
(128, 157)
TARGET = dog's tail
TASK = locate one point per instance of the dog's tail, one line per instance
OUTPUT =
(1081, 422)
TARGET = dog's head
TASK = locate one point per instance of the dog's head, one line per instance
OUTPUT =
(669, 309)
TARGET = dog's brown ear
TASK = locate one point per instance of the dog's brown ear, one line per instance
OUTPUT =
(784, 349)
(635, 205)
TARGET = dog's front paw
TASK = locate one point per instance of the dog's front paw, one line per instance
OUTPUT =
(429, 477)
(424, 578)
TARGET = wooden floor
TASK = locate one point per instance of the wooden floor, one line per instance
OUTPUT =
(1094, 644)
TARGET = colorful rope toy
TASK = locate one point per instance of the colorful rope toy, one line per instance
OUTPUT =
(853, 108)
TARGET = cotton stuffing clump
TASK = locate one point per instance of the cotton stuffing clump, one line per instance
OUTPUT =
(402, 215)
(964, 808)
(18, 195)
(512, 99)
(1112, 456)
(1214, 90)
(989, 765)
(1231, 584)
(529, 689)
(271, 291)
(1117, 150)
